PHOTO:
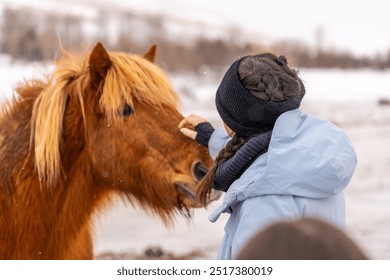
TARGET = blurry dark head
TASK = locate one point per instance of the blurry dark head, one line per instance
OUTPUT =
(303, 239)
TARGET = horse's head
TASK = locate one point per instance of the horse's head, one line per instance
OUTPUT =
(127, 131)
(135, 145)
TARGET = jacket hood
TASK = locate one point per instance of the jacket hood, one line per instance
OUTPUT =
(307, 156)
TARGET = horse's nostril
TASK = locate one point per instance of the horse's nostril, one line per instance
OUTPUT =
(199, 171)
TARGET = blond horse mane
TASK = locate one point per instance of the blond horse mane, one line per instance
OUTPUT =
(129, 77)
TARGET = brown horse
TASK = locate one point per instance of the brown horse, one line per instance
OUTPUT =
(100, 125)
(302, 239)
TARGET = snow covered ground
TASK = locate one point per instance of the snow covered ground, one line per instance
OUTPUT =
(348, 98)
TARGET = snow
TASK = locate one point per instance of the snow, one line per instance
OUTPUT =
(347, 97)
(346, 85)
(123, 229)
(14, 72)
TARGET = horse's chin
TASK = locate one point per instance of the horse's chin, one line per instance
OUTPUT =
(189, 196)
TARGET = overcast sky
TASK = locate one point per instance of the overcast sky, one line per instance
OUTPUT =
(360, 26)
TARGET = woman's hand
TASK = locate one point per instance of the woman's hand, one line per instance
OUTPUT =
(187, 125)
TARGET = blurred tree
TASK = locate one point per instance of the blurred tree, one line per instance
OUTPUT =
(35, 34)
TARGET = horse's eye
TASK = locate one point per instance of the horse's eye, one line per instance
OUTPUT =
(127, 110)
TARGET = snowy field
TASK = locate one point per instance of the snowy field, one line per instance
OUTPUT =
(348, 98)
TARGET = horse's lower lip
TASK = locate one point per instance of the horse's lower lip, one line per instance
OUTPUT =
(182, 187)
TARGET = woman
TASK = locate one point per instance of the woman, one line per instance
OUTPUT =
(280, 163)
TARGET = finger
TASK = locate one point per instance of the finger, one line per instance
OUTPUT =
(195, 119)
(182, 123)
(189, 133)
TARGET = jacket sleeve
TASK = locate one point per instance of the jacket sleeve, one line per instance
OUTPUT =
(218, 140)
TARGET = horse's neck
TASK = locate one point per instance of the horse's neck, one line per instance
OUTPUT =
(43, 222)
(54, 223)
(48, 222)
(14, 146)
(76, 204)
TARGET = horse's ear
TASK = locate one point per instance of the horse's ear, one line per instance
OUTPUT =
(151, 53)
(99, 63)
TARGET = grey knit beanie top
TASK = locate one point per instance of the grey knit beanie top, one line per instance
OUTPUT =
(245, 113)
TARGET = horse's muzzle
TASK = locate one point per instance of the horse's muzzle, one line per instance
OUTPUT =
(185, 185)
(187, 192)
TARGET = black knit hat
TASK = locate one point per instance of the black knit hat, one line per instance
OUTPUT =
(243, 112)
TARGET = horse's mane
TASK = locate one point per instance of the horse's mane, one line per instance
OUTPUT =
(129, 78)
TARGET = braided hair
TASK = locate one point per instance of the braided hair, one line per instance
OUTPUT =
(206, 185)
(267, 77)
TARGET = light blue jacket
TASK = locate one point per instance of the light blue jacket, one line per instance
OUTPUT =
(308, 164)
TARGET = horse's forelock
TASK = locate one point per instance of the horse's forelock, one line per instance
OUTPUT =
(132, 77)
